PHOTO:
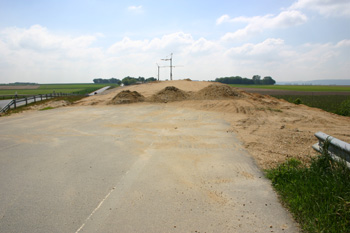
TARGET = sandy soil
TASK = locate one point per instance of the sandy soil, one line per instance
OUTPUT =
(272, 130)
(51, 104)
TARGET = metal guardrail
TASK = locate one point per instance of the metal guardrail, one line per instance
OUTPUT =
(337, 148)
(14, 103)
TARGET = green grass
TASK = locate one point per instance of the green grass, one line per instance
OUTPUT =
(318, 196)
(296, 87)
(64, 88)
(329, 103)
(47, 108)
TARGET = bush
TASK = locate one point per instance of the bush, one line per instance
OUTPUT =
(298, 101)
(344, 108)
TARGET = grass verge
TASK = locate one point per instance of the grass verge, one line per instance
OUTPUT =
(317, 195)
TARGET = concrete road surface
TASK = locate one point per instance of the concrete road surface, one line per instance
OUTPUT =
(3, 103)
(132, 168)
(99, 91)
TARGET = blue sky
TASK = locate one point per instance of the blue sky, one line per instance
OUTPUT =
(77, 41)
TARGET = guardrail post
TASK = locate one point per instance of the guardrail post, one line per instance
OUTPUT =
(26, 101)
(34, 100)
(337, 148)
(14, 103)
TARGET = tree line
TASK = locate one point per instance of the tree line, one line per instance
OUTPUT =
(255, 80)
(126, 81)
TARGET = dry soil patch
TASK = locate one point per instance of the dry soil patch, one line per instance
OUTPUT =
(272, 130)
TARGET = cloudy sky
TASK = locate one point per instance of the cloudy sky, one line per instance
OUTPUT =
(59, 41)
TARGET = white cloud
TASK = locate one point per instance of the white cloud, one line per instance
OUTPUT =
(36, 54)
(178, 42)
(135, 8)
(334, 8)
(39, 39)
(223, 19)
(257, 24)
(285, 62)
(270, 50)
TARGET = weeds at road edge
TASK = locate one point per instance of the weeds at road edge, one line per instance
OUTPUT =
(318, 195)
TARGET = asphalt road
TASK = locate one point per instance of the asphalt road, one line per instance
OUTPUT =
(99, 91)
(3, 103)
(132, 168)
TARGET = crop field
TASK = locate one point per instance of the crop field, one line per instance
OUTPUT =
(328, 98)
(329, 103)
(50, 88)
(306, 88)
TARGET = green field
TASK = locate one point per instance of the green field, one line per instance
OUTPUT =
(295, 87)
(58, 88)
(329, 103)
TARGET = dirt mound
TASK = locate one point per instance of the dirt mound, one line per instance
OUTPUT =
(127, 97)
(217, 91)
(169, 94)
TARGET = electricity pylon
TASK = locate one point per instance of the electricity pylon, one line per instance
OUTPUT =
(158, 69)
(171, 65)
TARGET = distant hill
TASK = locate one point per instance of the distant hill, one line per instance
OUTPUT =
(338, 82)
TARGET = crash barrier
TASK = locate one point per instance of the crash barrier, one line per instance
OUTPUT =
(4, 97)
(337, 148)
(32, 99)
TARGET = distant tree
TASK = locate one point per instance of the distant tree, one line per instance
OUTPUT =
(114, 80)
(129, 80)
(256, 79)
(150, 79)
(239, 80)
(98, 80)
(111, 80)
(141, 79)
(268, 81)
(247, 81)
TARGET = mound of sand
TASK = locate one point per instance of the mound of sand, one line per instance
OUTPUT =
(272, 130)
(169, 94)
(217, 91)
(127, 97)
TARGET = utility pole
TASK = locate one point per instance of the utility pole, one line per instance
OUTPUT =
(171, 65)
(159, 68)
(158, 71)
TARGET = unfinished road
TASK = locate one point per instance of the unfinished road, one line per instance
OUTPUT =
(131, 168)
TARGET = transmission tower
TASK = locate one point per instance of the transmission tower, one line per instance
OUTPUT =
(159, 68)
(171, 65)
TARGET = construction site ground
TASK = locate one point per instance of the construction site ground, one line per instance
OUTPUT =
(175, 156)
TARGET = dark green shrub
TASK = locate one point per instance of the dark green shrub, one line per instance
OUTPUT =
(344, 108)
(298, 101)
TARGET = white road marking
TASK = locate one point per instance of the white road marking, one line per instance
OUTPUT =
(99, 205)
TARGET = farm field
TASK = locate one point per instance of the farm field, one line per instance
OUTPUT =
(306, 88)
(328, 98)
(50, 88)
(329, 103)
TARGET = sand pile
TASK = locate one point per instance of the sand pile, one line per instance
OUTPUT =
(127, 97)
(169, 94)
(217, 91)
